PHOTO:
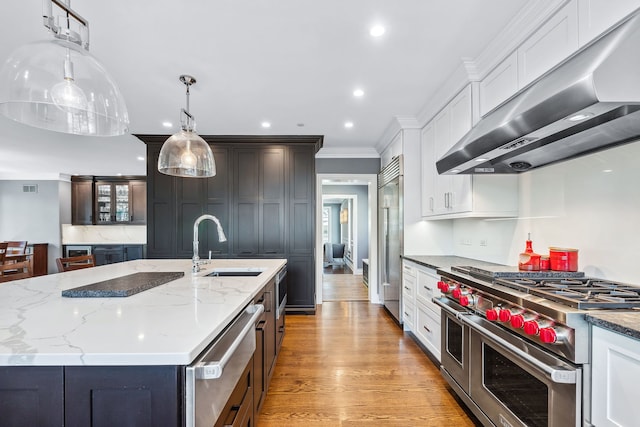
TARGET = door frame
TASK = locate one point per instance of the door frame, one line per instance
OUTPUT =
(371, 181)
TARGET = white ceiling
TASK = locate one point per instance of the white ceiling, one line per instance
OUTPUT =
(289, 62)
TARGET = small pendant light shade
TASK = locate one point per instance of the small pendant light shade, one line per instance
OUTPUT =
(186, 154)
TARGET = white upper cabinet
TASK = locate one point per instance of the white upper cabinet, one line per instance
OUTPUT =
(499, 84)
(393, 149)
(428, 169)
(549, 45)
(596, 16)
(459, 196)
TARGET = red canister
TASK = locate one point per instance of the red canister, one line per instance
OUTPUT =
(563, 259)
(544, 262)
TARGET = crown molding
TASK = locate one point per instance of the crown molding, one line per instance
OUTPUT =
(35, 176)
(347, 152)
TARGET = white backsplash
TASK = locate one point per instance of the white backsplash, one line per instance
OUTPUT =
(103, 234)
(591, 203)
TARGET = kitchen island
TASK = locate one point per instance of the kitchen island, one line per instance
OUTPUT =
(51, 346)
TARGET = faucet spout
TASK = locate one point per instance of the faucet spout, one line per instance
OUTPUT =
(196, 242)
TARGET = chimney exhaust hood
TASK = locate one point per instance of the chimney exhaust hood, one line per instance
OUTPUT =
(589, 102)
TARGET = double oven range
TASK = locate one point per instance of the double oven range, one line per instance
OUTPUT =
(516, 345)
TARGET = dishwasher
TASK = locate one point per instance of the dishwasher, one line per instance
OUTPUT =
(217, 374)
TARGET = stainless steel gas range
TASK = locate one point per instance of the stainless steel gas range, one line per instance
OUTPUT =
(516, 345)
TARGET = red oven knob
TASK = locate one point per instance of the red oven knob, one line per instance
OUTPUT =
(517, 321)
(444, 286)
(492, 314)
(504, 315)
(531, 327)
(548, 335)
(467, 300)
(457, 293)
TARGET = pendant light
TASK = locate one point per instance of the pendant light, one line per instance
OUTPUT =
(58, 85)
(185, 153)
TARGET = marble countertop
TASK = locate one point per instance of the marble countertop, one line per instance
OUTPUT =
(167, 325)
(626, 323)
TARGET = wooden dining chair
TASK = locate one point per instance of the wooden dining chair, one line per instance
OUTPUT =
(17, 267)
(17, 247)
(3, 251)
(76, 262)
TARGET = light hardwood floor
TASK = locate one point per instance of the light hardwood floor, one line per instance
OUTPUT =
(344, 287)
(349, 365)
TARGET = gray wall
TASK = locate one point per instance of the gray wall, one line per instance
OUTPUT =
(346, 165)
(35, 217)
(334, 237)
(363, 213)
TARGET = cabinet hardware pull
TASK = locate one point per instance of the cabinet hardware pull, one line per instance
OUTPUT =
(428, 330)
(428, 289)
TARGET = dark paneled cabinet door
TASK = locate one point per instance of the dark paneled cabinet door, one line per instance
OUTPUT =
(108, 254)
(272, 201)
(217, 204)
(161, 209)
(132, 252)
(138, 208)
(246, 192)
(82, 202)
(301, 290)
(31, 396)
(189, 206)
(110, 396)
(301, 201)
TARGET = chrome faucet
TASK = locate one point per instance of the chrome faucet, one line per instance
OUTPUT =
(221, 238)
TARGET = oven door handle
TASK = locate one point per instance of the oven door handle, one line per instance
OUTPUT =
(445, 305)
(560, 376)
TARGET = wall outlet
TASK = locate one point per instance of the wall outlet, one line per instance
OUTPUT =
(466, 242)
(484, 242)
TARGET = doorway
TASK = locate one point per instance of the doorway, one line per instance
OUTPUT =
(346, 212)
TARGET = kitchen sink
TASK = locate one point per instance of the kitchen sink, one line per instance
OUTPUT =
(236, 272)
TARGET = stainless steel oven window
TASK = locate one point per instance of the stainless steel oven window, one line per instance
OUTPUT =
(524, 395)
(455, 340)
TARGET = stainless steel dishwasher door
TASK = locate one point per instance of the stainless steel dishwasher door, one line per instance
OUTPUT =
(211, 378)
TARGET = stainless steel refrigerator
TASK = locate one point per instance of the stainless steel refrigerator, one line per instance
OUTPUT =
(390, 235)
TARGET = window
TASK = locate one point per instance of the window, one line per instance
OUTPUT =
(326, 224)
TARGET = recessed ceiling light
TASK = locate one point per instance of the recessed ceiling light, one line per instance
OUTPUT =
(481, 159)
(141, 158)
(358, 92)
(377, 31)
(119, 174)
(607, 170)
(348, 125)
(266, 124)
(167, 124)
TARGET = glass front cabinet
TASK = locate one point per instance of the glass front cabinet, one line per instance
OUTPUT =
(115, 203)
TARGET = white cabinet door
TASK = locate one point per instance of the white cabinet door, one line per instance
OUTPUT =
(427, 329)
(427, 152)
(393, 149)
(499, 84)
(442, 125)
(549, 45)
(615, 377)
(409, 281)
(596, 16)
(459, 198)
(427, 288)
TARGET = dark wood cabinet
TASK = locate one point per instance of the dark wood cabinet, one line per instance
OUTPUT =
(264, 358)
(123, 396)
(82, 200)
(110, 254)
(263, 194)
(108, 200)
(31, 396)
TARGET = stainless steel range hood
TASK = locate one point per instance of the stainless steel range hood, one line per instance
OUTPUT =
(589, 102)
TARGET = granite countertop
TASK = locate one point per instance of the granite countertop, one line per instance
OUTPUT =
(170, 324)
(446, 261)
(626, 323)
